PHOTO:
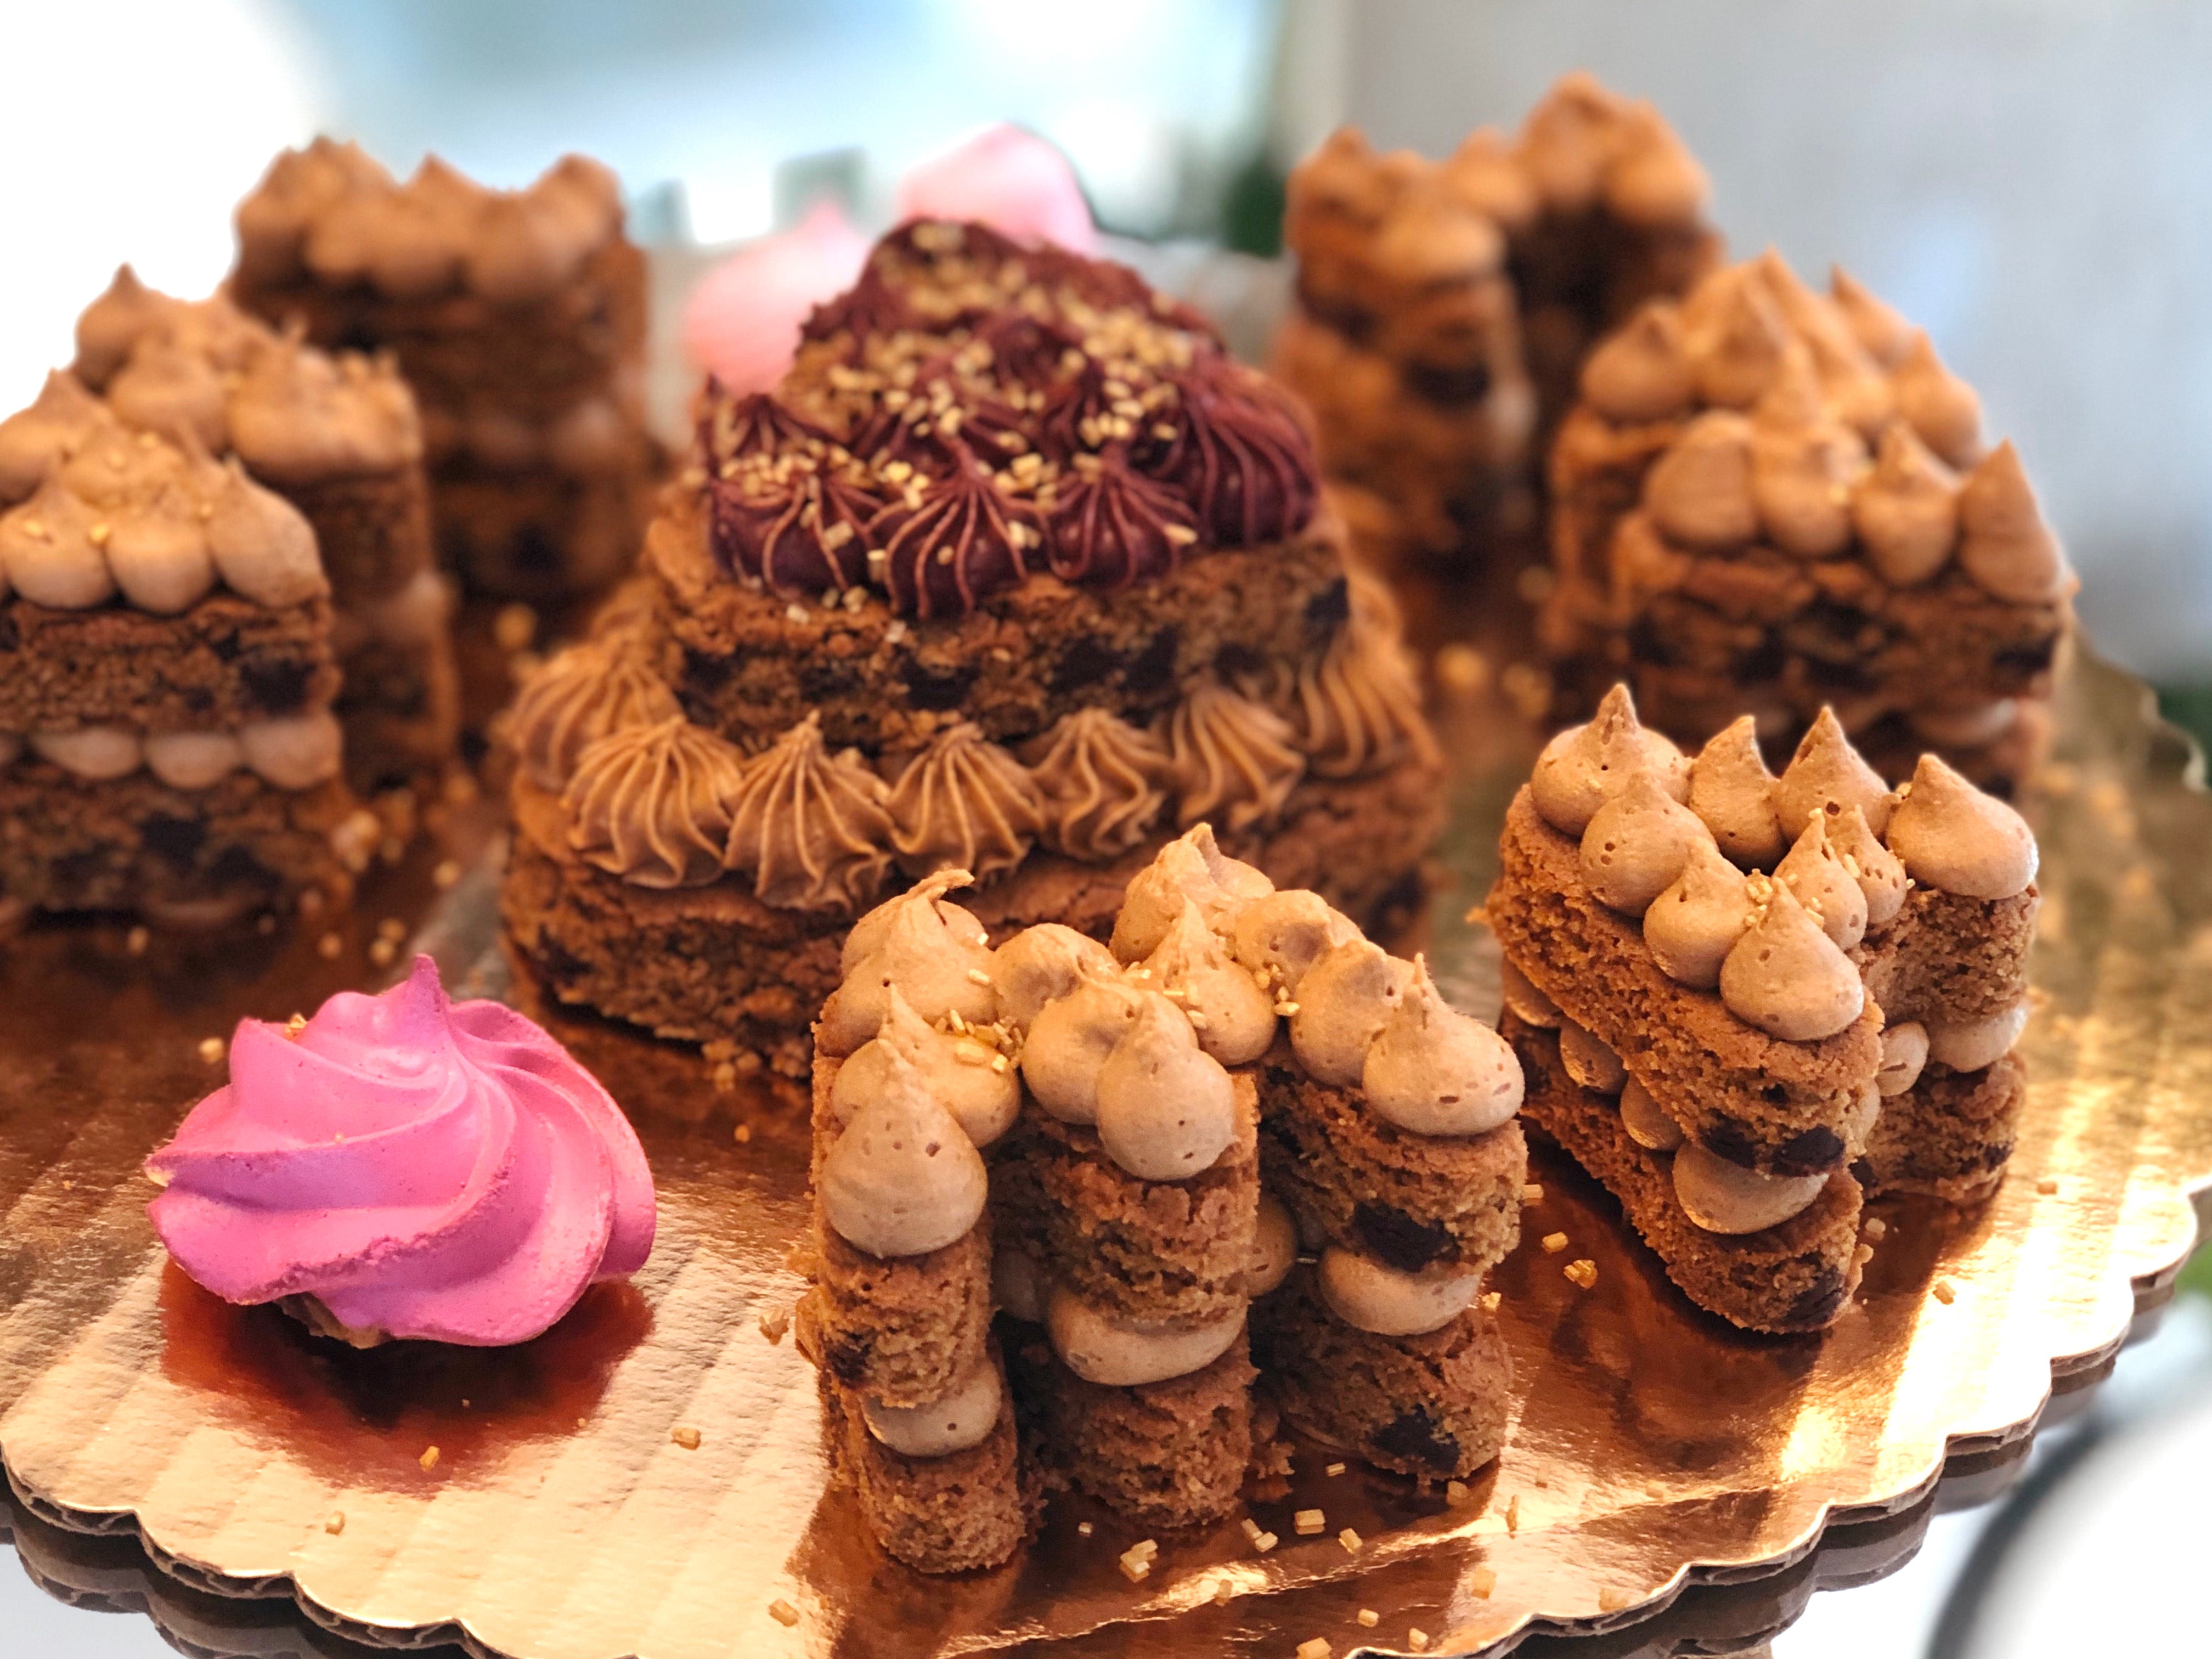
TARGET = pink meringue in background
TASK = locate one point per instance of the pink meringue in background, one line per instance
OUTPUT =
(741, 322)
(1010, 181)
(421, 1167)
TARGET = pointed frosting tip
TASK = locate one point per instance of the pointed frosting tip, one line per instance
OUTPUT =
(1956, 839)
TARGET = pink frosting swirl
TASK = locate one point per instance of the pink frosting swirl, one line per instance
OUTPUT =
(421, 1167)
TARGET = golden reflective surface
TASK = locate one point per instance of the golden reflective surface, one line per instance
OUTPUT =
(1654, 1446)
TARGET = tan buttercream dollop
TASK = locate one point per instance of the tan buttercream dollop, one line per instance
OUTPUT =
(1879, 872)
(1042, 963)
(810, 826)
(34, 441)
(528, 245)
(1785, 975)
(193, 760)
(300, 187)
(1345, 999)
(169, 387)
(652, 803)
(867, 935)
(964, 802)
(1590, 1060)
(1956, 839)
(935, 956)
(262, 546)
(1641, 371)
(1637, 843)
(1526, 998)
(299, 416)
(955, 1069)
(1233, 1016)
(963, 1418)
(1732, 792)
(1274, 1247)
(1282, 934)
(902, 1179)
(1699, 492)
(1826, 774)
(1071, 1040)
(575, 698)
(1104, 784)
(1369, 1296)
(1191, 867)
(1903, 1053)
(1232, 758)
(112, 325)
(1584, 766)
(1968, 1045)
(2004, 544)
(294, 751)
(101, 753)
(1801, 475)
(158, 551)
(1885, 335)
(1723, 1197)
(1653, 182)
(1568, 140)
(1166, 1109)
(1126, 1353)
(1937, 404)
(1739, 348)
(48, 554)
(1691, 926)
(1816, 873)
(1434, 1070)
(1646, 1120)
(1906, 510)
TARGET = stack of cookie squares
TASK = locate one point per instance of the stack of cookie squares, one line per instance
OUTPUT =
(168, 671)
(1445, 308)
(1770, 499)
(337, 435)
(1016, 572)
(1086, 1127)
(1744, 1002)
(518, 317)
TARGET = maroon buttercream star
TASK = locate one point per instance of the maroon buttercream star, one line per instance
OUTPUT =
(806, 534)
(1241, 456)
(1111, 526)
(961, 540)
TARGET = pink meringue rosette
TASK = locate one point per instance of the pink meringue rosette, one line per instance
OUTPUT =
(1011, 180)
(420, 1168)
(741, 323)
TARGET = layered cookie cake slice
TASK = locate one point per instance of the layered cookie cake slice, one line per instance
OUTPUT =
(910, 1087)
(167, 746)
(1719, 982)
(1016, 572)
(519, 319)
(1772, 498)
(1444, 308)
(338, 437)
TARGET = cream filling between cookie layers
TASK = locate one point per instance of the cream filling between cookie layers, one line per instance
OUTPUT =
(296, 751)
(1101, 1348)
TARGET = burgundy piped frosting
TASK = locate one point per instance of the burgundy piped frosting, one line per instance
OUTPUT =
(974, 412)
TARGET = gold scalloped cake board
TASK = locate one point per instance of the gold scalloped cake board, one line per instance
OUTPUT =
(1654, 1446)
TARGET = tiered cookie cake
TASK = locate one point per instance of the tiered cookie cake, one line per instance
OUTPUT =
(169, 666)
(1771, 500)
(336, 436)
(1444, 308)
(1120, 1149)
(1743, 1002)
(1016, 572)
(519, 319)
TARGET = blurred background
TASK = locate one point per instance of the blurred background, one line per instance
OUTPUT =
(2028, 178)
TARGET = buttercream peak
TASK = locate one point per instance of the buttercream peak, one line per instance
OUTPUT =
(1907, 509)
(1785, 975)
(811, 826)
(1816, 875)
(904, 1179)
(1733, 793)
(1435, 1071)
(1880, 332)
(1642, 371)
(2004, 544)
(1637, 843)
(1699, 492)
(652, 803)
(1586, 765)
(1693, 924)
(1939, 405)
(1827, 773)
(1879, 872)
(1955, 839)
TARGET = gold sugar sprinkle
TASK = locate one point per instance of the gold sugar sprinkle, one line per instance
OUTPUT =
(1491, 1299)
(1222, 1592)
(979, 976)
(1513, 1514)
(135, 941)
(1554, 1243)
(1369, 1618)
(1318, 1648)
(1265, 1542)
(1251, 1528)
(335, 1524)
(2046, 1186)
(1482, 1581)
(1418, 1639)
(1584, 1272)
(1877, 1227)
(1864, 1255)
(783, 1613)
(295, 1025)
(743, 1132)
(1350, 1540)
(1334, 1468)
(428, 1459)
(328, 946)
(1455, 1492)
(1309, 1523)
(1944, 1293)
(686, 1436)
(211, 1050)
(1083, 1529)
(1613, 1600)
(1533, 1193)
(773, 1325)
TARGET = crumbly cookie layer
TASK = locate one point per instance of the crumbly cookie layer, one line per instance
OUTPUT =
(1947, 958)
(193, 857)
(1166, 1455)
(536, 533)
(1950, 1135)
(1794, 1277)
(373, 529)
(1406, 1199)
(1774, 1106)
(752, 664)
(215, 667)
(1166, 1250)
(1434, 1406)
